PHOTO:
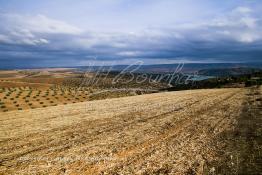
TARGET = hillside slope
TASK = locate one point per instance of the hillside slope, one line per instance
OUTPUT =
(172, 132)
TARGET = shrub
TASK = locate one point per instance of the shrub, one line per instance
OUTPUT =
(20, 108)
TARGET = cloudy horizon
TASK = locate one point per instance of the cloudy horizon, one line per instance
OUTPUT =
(73, 33)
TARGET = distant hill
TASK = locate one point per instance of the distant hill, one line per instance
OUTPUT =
(157, 68)
(223, 72)
(167, 68)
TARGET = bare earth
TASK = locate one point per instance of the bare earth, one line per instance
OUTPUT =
(162, 133)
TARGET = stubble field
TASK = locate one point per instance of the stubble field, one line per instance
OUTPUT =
(162, 133)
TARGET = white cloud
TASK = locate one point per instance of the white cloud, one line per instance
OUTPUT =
(38, 24)
(239, 25)
(29, 41)
(243, 10)
(28, 30)
(42, 40)
(42, 24)
(129, 53)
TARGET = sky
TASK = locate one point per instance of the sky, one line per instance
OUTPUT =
(77, 32)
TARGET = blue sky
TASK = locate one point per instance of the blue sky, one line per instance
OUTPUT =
(76, 32)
